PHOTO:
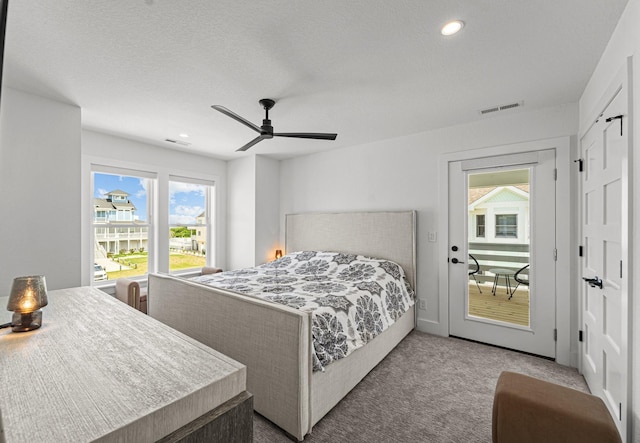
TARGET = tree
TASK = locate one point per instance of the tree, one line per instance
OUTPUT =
(182, 232)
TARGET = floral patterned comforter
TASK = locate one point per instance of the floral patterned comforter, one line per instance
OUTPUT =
(352, 298)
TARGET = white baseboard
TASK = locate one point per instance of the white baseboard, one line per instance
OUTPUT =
(431, 327)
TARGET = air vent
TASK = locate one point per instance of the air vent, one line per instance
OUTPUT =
(177, 142)
(501, 108)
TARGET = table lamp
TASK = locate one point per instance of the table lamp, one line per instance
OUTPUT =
(278, 253)
(28, 295)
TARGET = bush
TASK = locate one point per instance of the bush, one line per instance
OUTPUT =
(141, 250)
(123, 251)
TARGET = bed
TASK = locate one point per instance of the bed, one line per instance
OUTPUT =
(274, 340)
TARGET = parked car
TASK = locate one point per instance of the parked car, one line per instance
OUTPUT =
(99, 273)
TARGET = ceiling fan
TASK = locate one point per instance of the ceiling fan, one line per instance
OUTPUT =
(266, 130)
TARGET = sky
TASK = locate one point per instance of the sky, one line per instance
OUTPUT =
(187, 200)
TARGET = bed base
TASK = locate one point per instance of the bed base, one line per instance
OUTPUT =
(274, 342)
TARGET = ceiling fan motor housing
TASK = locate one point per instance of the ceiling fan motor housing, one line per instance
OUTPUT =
(266, 130)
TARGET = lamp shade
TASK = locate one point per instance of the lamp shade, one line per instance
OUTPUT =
(28, 294)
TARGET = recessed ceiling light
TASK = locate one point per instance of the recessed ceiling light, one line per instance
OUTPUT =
(183, 135)
(452, 27)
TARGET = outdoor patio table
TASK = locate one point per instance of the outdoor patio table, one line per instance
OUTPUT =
(508, 273)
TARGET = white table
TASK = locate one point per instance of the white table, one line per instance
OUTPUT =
(98, 370)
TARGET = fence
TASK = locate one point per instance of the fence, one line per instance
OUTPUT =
(512, 256)
(183, 244)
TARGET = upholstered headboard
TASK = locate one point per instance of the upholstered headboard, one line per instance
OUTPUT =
(388, 235)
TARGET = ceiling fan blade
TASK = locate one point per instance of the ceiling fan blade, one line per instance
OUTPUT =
(251, 143)
(314, 135)
(236, 117)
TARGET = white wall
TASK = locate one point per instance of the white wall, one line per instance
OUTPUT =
(267, 209)
(253, 210)
(624, 42)
(241, 212)
(403, 173)
(40, 189)
(104, 149)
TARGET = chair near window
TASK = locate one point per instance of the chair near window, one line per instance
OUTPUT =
(128, 291)
(474, 268)
(521, 277)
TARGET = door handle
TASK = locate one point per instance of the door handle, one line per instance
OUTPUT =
(455, 261)
(593, 282)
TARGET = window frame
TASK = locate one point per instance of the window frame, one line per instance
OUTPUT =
(150, 224)
(208, 211)
(158, 209)
(483, 224)
(515, 226)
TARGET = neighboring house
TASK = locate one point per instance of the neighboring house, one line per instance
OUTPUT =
(115, 207)
(116, 226)
(201, 232)
(499, 214)
(499, 229)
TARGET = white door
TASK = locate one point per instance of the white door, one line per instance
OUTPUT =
(503, 224)
(604, 208)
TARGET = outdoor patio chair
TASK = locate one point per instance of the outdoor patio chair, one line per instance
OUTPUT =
(521, 277)
(474, 268)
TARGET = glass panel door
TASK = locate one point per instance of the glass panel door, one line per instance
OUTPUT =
(502, 217)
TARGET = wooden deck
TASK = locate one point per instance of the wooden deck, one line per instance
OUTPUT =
(499, 307)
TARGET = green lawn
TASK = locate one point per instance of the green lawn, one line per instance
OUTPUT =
(177, 261)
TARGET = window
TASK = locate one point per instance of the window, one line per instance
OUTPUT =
(506, 225)
(189, 217)
(148, 221)
(121, 224)
(480, 225)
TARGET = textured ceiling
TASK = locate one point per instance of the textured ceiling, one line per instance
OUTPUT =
(368, 70)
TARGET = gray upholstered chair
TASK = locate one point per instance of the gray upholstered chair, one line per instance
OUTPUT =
(129, 292)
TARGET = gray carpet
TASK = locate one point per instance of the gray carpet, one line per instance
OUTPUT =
(428, 389)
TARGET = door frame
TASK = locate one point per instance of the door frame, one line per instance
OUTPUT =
(565, 241)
